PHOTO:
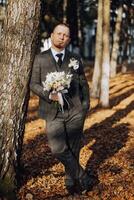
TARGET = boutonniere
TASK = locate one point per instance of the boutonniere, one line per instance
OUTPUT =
(74, 64)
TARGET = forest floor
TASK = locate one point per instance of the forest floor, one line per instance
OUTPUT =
(108, 153)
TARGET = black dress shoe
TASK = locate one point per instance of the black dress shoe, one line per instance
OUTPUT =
(79, 186)
(71, 189)
(74, 188)
(86, 184)
(69, 184)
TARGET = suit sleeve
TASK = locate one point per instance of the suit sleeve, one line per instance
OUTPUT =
(84, 88)
(35, 83)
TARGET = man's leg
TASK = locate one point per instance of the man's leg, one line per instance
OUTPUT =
(58, 143)
(74, 131)
(64, 135)
(57, 139)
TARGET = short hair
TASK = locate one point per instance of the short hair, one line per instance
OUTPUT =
(61, 24)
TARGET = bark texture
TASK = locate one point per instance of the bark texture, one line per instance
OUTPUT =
(2, 16)
(115, 48)
(104, 97)
(65, 11)
(95, 91)
(18, 47)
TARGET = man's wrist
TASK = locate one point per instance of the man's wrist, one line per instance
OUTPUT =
(50, 96)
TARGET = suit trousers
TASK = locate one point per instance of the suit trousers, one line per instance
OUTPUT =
(64, 137)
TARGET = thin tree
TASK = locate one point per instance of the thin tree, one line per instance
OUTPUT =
(72, 21)
(116, 39)
(18, 47)
(65, 11)
(2, 16)
(104, 94)
(79, 24)
(95, 90)
(127, 37)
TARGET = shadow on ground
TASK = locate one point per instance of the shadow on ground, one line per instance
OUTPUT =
(36, 159)
(109, 139)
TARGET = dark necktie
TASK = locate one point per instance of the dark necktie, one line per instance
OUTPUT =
(59, 62)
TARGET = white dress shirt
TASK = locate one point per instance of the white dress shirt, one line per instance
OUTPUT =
(55, 52)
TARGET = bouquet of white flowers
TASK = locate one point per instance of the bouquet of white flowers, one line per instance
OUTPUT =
(58, 82)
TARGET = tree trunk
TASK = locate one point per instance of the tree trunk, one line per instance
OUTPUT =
(115, 48)
(125, 52)
(18, 46)
(95, 91)
(104, 96)
(2, 16)
(72, 21)
(79, 25)
(65, 11)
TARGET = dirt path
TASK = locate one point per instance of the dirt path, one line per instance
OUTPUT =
(108, 153)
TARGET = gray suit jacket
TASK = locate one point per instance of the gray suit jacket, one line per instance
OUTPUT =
(78, 92)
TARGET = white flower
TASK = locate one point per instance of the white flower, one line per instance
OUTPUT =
(57, 81)
(74, 63)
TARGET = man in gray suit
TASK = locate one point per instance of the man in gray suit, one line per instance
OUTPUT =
(64, 129)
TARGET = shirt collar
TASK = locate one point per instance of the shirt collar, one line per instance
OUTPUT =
(55, 52)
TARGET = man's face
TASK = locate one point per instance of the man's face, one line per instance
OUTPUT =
(60, 37)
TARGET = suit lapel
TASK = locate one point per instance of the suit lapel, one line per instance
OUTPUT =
(52, 61)
(54, 66)
(64, 66)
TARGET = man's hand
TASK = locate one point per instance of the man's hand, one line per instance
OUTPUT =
(54, 97)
